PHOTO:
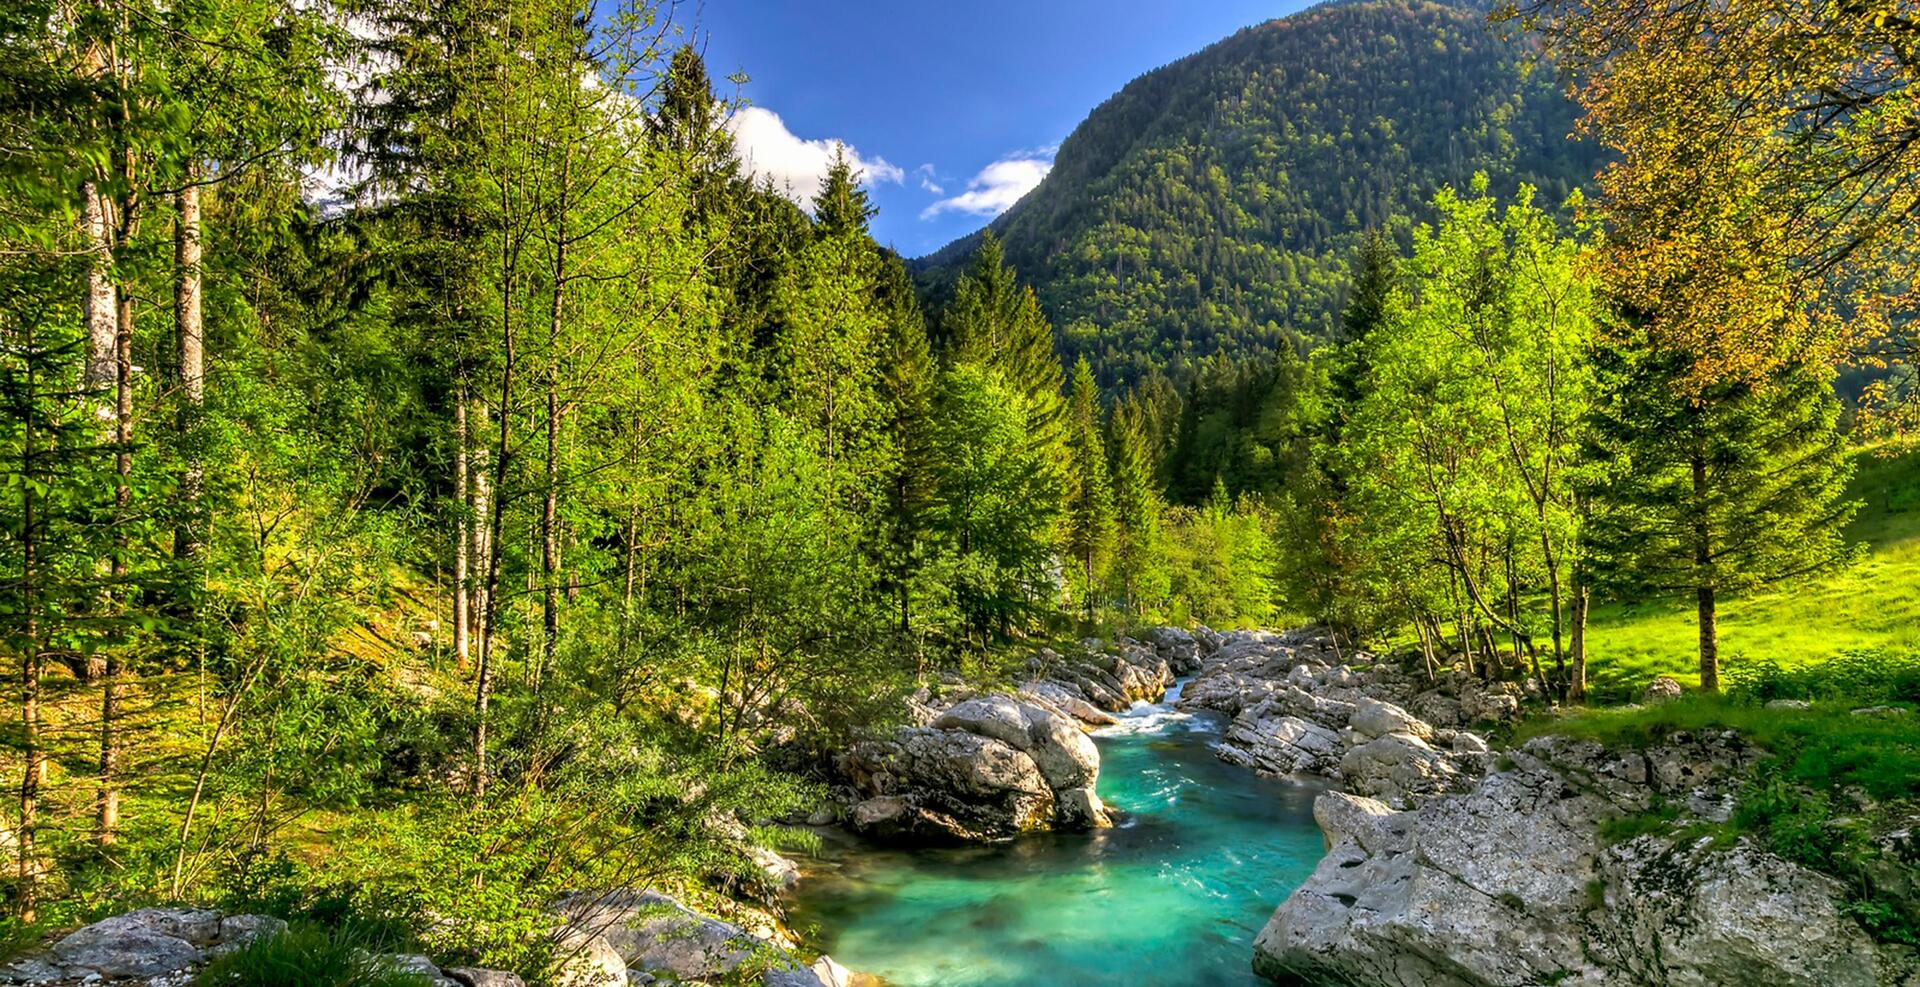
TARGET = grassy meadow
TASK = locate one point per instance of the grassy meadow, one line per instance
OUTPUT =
(1874, 604)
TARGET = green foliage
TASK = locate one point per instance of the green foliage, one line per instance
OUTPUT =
(304, 956)
(1862, 674)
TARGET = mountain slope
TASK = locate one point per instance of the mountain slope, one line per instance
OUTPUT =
(1212, 203)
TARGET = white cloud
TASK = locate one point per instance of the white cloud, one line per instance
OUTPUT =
(927, 176)
(998, 186)
(797, 166)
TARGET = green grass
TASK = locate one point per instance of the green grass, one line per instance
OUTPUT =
(1826, 748)
(304, 956)
(1875, 604)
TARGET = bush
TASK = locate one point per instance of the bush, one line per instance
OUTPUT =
(1861, 675)
(304, 956)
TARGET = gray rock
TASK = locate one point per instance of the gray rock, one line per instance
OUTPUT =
(1067, 700)
(583, 958)
(1509, 883)
(782, 873)
(1469, 743)
(1662, 690)
(879, 813)
(655, 934)
(1882, 711)
(144, 943)
(1396, 766)
(832, 974)
(1375, 718)
(413, 964)
(1080, 808)
(30, 970)
(1282, 745)
(239, 930)
(1789, 705)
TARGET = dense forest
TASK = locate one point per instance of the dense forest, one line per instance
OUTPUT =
(1213, 204)
(438, 473)
(549, 431)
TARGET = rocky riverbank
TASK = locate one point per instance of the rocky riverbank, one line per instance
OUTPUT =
(1512, 882)
(1301, 708)
(971, 764)
(1452, 866)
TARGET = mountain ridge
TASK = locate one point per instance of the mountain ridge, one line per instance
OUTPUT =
(1210, 204)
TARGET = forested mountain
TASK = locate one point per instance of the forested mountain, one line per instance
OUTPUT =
(1213, 204)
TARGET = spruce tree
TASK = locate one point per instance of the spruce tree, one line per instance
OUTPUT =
(1139, 563)
(995, 322)
(908, 380)
(1714, 490)
(1089, 503)
(841, 208)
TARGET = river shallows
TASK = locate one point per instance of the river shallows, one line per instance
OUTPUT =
(1172, 897)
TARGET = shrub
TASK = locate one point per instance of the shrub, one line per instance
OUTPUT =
(1861, 675)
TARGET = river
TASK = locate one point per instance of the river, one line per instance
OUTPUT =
(1171, 897)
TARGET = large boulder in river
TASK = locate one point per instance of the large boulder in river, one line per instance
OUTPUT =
(987, 767)
(1282, 745)
(1065, 756)
(1511, 884)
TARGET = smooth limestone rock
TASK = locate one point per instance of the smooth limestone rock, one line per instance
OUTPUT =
(1376, 718)
(653, 934)
(583, 958)
(1510, 884)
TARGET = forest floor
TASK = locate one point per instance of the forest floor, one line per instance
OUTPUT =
(1874, 604)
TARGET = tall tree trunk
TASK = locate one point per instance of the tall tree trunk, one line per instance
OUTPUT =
(190, 348)
(480, 514)
(1703, 580)
(1553, 598)
(1577, 674)
(107, 807)
(550, 503)
(483, 679)
(1709, 640)
(30, 660)
(102, 308)
(462, 530)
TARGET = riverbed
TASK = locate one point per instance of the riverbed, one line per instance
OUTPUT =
(1172, 896)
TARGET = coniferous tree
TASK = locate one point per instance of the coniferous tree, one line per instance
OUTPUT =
(908, 380)
(1139, 553)
(1089, 509)
(1711, 491)
(842, 207)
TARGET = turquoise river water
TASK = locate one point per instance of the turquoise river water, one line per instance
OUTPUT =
(1171, 897)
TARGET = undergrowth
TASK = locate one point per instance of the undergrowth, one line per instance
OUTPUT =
(305, 956)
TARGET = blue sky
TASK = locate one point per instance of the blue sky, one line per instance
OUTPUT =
(954, 108)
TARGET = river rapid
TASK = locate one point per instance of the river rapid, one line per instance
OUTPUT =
(1173, 895)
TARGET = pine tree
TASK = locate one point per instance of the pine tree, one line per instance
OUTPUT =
(1089, 504)
(841, 208)
(1139, 563)
(908, 379)
(995, 322)
(1717, 490)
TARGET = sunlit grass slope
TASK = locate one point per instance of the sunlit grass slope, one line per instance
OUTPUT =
(1875, 604)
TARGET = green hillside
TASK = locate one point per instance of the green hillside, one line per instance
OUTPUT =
(1211, 205)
